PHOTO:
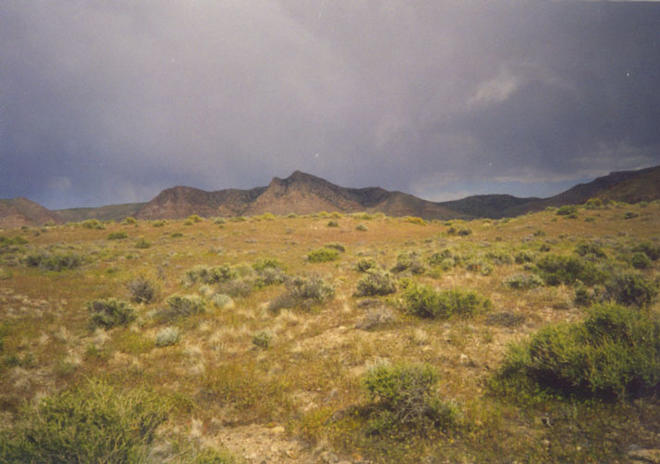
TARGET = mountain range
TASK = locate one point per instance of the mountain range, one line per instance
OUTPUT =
(303, 193)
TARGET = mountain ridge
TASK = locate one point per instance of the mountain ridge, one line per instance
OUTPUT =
(300, 193)
(17, 212)
(303, 193)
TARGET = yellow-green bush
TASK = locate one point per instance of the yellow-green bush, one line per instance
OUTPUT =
(614, 353)
(322, 255)
(402, 397)
(53, 261)
(303, 292)
(110, 313)
(424, 301)
(94, 423)
(376, 283)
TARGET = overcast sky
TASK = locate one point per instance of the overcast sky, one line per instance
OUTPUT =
(111, 101)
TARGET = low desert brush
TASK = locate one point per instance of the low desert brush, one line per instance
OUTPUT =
(91, 423)
(424, 301)
(403, 398)
(110, 313)
(614, 353)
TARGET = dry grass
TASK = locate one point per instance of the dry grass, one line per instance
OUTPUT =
(307, 382)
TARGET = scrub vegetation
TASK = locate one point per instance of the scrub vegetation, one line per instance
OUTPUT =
(314, 338)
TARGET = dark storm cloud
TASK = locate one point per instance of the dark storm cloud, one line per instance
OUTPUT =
(106, 102)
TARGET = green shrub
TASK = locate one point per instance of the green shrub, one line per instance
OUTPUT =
(203, 274)
(142, 290)
(402, 396)
(376, 283)
(499, 258)
(464, 231)
(194, 218)
(53, 262)
(110, 313)
(333, 224)
(130, 220)
(92, 224)
(266, 217)
(142, 244)
(630, 215)
(523, 281)
(262, 339)
(238, 287)
(585, 296)
(424, 301)
(222, 301)
(566, 210)
(556, 269)
(437, 258)
(262, 264)
(544, 247)
(336, 246)
(524, 256)
(631, 289)
(168, 336)
(183, 306)
(614, 353)
(590, 249)
(93, 423)
(364, 264)
(303, 292)
(210, 275)
(270, 276)
(649, 249)
(117, 235)
(9, 241)
(222, 273)
(312, 288)
(158, 223)
(444, 260)
(594, 203)
(640, 261)
(415, 220)
(409, 262)
(361, 228)
(322, 255)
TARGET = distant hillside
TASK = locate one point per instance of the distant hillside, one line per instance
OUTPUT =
(491, 206)
(626, 186)
(102, 213)
(642, 185)
(180, 202)
(299, 193)
(19, 212)
(302, 193)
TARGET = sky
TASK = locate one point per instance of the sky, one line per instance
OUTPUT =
(105, 102)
